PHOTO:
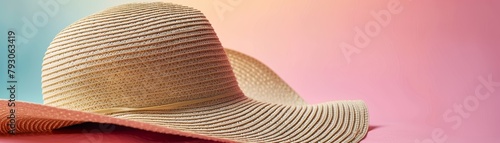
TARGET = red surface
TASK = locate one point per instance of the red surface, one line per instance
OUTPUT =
(99, 133)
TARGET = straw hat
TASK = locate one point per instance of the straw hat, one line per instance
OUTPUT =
(160, 67)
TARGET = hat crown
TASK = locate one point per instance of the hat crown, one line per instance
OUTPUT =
(136, 55)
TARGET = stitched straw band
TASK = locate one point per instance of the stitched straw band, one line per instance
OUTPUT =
(163, 107)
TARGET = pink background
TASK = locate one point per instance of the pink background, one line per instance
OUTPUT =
(427, 59)
(424, 62)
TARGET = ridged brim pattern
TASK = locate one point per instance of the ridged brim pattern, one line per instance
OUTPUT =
(276, 114)
(240, 120)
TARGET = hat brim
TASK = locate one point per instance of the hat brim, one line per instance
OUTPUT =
(237, 119)
(270, 111)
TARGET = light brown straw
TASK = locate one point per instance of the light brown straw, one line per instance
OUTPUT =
(161, 67)
(163, 107)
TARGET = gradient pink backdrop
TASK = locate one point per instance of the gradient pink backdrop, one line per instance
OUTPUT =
(427, 59)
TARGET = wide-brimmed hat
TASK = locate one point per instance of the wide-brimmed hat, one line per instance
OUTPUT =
(160, 67)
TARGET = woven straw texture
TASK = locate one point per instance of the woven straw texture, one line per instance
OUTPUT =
(150, 54)
(259, 82)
